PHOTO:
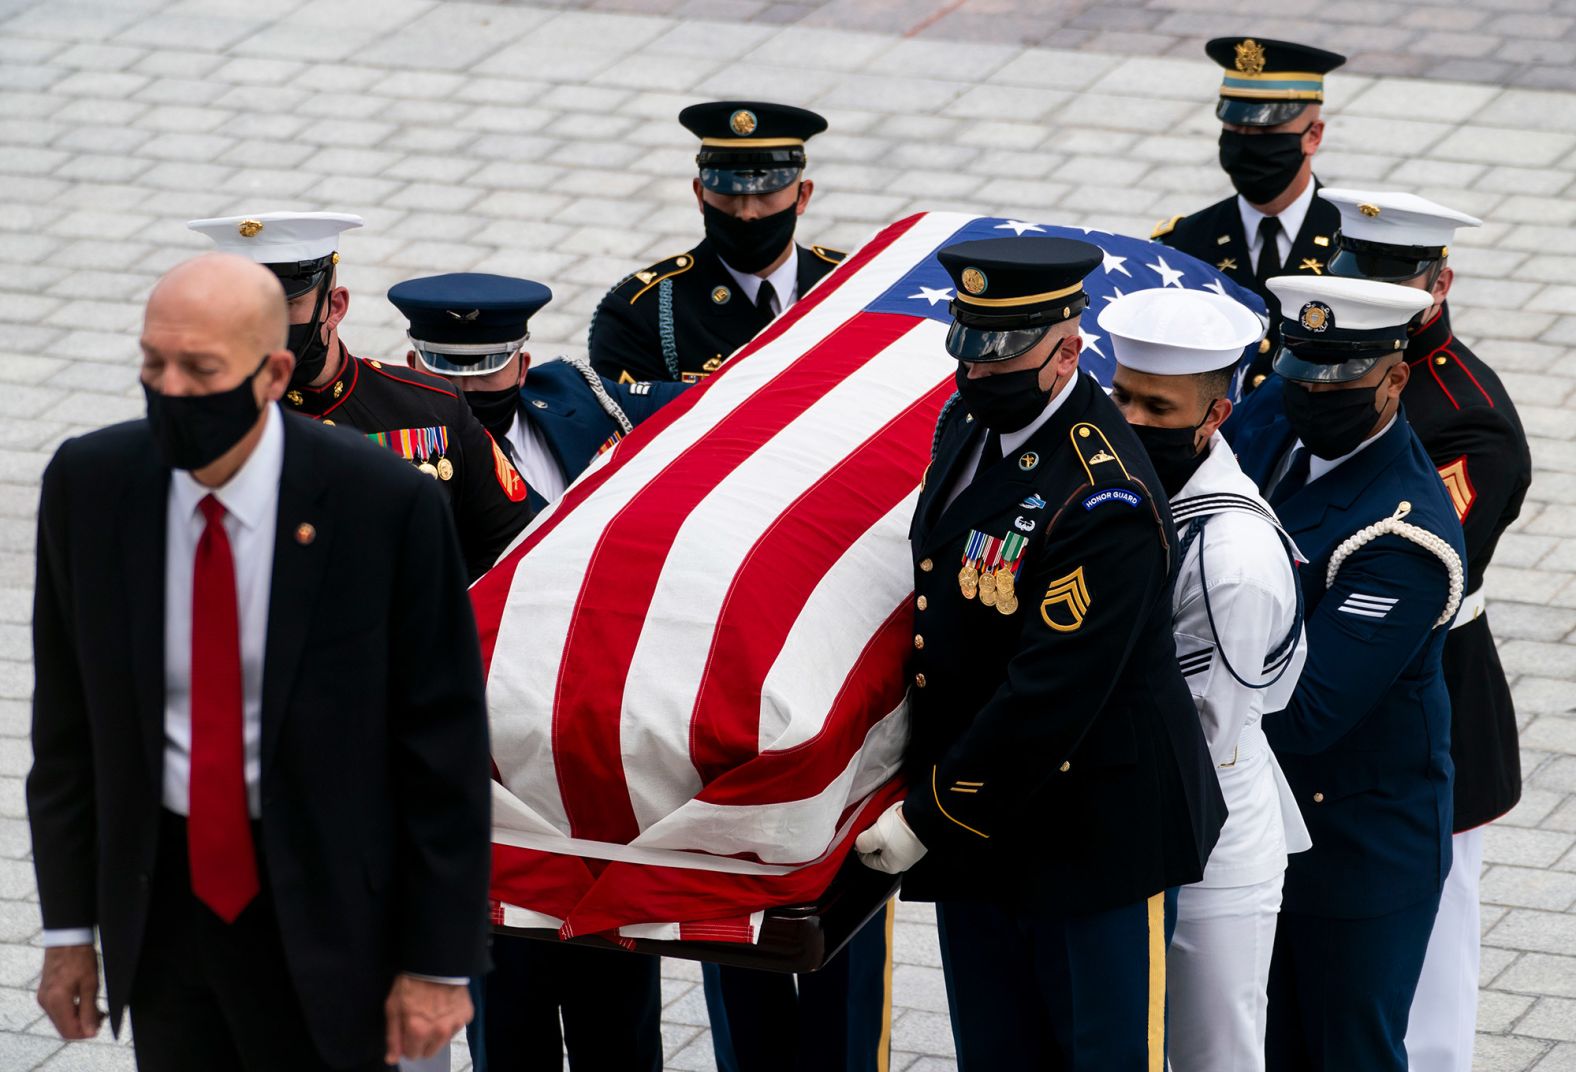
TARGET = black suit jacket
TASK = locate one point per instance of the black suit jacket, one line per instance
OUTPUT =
(681, 318)
(1055, 755)
(375, 792)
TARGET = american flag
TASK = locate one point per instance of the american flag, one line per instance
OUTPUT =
(695, 657)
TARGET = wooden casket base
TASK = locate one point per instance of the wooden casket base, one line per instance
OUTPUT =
(801, 938)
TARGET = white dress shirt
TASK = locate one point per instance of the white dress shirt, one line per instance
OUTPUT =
(251, 502)
(534, 458)
(784, 281)
(1290, 217)
(1010, 441)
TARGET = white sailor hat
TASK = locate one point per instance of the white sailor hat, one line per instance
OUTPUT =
(299, 246)
(1390, 236)
(1167, 332)
(1335, 329)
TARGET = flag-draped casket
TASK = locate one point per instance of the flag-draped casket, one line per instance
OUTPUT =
(695, 658)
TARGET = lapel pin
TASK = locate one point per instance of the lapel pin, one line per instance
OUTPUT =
(1028, 461)
(305, 533)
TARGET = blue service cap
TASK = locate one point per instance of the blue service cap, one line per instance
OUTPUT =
(1012, 291)
(750, 147)
(468, 323)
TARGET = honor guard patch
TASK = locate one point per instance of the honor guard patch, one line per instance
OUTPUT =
(1066, 602)
(1111, 495)
(508, 479)
(1459, 485)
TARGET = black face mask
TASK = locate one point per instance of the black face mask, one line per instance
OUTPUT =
(1172, 453)
(494, 409)
(750, 245)
(1331, 424)
(307, 343)
(1006, 401)
(1261, 166)
(193, 431)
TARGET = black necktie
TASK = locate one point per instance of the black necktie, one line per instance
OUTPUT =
(764, 296)
(990, 455)
(1269, 249)
(1295, 477)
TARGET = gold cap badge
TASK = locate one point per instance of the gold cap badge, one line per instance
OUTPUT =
(1316, 316)
(1250, 57)
(1368, 209)
(250, 228)
(973, 281)
(743, 122)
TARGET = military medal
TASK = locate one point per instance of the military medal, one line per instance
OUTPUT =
(428, 468)
(988, 591)
(1007, 573)
(969, 575)
(445, 469)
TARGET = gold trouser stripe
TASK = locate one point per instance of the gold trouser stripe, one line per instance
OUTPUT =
(1157, 982)
(884, 1047)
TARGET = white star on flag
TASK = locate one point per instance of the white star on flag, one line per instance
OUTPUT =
(1215, 285)
(932, 294)
(1116, 292)
(1171, 277)
(1092, 230)
(1018, 227)
(1090, 340)
(1113, 263)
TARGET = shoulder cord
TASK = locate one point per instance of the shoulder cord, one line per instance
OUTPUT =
(941, 421)
(1282, 654)
(1394, 526)
(608, 403)
(670, 345)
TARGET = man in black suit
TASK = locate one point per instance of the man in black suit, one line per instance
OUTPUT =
(682, 317)
(260, 743)
(1271, 96)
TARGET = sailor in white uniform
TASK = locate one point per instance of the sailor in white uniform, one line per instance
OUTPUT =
(1240, 644)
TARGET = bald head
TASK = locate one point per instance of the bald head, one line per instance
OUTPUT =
(210, 322)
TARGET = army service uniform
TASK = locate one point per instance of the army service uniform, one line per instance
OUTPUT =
(1059, 778)
(681, 318)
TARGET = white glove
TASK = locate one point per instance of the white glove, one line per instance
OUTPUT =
(889, 845)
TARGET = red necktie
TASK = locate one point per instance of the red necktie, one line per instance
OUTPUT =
(218, 829)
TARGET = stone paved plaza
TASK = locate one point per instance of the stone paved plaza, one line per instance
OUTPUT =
(540, 140)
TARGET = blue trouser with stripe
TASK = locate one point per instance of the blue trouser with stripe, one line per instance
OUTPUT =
(1062, 993)
(837, 1019)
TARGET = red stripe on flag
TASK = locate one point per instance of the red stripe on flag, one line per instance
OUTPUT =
(629, 560)
(775, 580)
(491, 592)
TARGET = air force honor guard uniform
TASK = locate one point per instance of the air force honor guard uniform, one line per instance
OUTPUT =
(1060, 787)
(418, 416)
(1470, 428)
(1365, 740)
(1270, 96)
(682, 317)
(552, 419)
(1236, 614)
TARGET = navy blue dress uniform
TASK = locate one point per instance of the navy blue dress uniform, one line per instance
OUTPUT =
(1365, 741)
(1266, 83)
(465, 326)
(1472, 433)
(1060, 783)
(681, 318)
(415, 414)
